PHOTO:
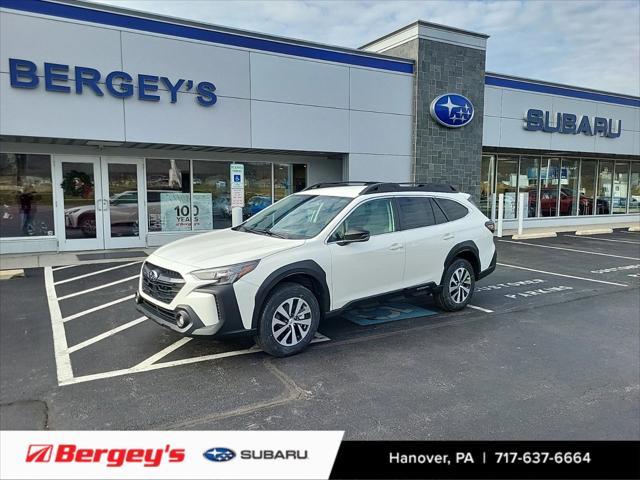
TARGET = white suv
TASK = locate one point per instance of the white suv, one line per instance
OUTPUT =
(315, 253)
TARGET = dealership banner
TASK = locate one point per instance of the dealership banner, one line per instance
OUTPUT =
(301, 454)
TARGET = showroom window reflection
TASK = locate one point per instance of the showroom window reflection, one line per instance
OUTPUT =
(559, 186)
(26, 195)
(195, 195)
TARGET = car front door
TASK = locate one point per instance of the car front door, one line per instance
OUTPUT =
(369, 268)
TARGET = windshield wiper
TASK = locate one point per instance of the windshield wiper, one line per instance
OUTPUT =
(261, 231)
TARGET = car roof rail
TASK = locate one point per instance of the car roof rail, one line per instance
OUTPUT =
(387, 187)
(338, 184)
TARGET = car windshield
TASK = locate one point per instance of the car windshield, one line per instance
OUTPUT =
(296, 216)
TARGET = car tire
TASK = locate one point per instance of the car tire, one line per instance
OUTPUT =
(88, 226)
(288, 321)
(458, 284)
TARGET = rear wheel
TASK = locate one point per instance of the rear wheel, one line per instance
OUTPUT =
(289, 320)
(88, 225)
(457, 286)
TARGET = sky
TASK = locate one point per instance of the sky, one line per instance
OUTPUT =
(593, 44)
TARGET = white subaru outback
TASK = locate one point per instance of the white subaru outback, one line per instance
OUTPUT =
(315, 253)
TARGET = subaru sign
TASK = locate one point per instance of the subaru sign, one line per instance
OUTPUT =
(452, 110)
(570, 123)
(219, 454)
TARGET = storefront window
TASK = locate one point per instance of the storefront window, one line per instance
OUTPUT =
(634, 188)
(620, 187)
(588, 172)
(549, 186)
(507, 183)
(529, 172)
(168, 195)
(211, 195)
(569, 198)
(487, 170)
(26, 198)
(282, 181)
(257, 188)
(605, 178)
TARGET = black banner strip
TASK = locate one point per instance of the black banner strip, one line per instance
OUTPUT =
(481, 460)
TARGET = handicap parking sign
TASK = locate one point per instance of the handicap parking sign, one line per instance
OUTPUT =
(236, 178)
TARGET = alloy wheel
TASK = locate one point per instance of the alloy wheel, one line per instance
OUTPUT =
(460, 285)
(291, 321)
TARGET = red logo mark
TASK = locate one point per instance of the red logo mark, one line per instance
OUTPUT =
(39, 453)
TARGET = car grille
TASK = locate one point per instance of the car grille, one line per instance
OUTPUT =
(163, 313)
(160, 283)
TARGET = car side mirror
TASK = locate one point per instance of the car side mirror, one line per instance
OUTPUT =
(354, 235)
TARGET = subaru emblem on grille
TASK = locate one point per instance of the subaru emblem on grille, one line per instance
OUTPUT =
(153, 275)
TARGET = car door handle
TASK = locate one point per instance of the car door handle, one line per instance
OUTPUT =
(396, 246)
(448, 236)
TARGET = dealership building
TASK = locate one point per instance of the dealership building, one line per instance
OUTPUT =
(121, 129)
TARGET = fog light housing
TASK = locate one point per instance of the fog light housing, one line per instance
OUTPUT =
(138, 298)
(182, 319)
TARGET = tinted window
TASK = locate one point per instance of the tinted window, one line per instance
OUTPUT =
(437, 213)
(453, 210)
(415, 212)
(375, 216)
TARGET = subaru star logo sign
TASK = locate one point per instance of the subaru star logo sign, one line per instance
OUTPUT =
(219, 454)
(452, 110)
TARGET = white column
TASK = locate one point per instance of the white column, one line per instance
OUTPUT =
(523, 197)
(500, 213)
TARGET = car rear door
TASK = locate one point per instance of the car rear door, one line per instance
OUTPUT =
(427, 240)
(373, 267)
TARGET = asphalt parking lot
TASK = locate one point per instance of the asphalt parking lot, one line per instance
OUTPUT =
(550, 349)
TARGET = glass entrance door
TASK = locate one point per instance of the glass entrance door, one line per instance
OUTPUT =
(122, 206)
(99, 202)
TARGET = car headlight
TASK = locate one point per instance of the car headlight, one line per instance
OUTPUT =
(226, 275)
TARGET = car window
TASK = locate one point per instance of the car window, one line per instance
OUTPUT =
(438, 213)
(415, 212)
(453, 210)
(374, 216)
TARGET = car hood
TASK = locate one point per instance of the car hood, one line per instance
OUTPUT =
(222, 247)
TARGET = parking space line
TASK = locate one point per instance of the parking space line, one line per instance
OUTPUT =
(55, 269)
(485, 310)
(99, 307)
(95, 273)
(89, 290)
(106, 334)
(63, 362)
(185, 361)
(163, 353)
(563, 275)
(602, 239)
(568, 249)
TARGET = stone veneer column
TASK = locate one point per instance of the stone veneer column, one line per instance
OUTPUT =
(447, 60)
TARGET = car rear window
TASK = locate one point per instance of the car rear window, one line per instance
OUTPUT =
(453, 210)
(415, 212)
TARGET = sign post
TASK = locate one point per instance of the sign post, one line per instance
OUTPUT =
(500, 213)
(522, 199)
(237, 193)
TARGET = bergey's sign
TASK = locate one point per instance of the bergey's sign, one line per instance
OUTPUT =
(569, 123)
(63, 78)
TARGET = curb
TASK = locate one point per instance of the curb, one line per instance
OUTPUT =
(594, 231)
(9, 274)
(634, 229)
(528, 236)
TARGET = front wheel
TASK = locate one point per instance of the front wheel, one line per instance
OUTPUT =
(289, 320)
(457, 286)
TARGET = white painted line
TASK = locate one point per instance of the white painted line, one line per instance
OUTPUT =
(95, 273)
(485, 310)
(55, 269)
(89, 290)
(163, 353)
(63, 362)
(95, 309)
(603, 239)
(104, 335)
(570, 250)
(185, 361)
(563, 275)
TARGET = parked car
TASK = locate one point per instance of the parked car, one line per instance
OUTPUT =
(549, 203)
(254, 205)
(314, 254)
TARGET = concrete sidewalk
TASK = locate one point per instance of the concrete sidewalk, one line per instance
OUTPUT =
(542, 232)
(52, 259)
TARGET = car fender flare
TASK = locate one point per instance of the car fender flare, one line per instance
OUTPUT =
(462, 247)
(304, 267)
